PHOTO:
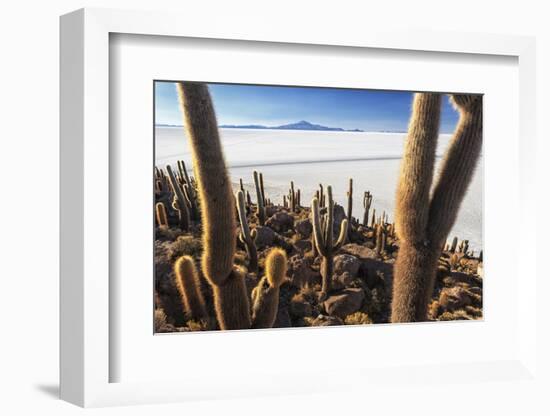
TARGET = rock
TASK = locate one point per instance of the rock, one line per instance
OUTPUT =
(345, 303)
(345, 278)
(300, 272)
(338, 216)
(323, 320)
(476, 290)
(283, 318)
(300, 307)
(280, 221)
(454, 298)
(163, 265)
(270, 210)
(341, 281)
(303, 245)
(304, 228)
(374, 278)
(346, 263)
(360, 251)
(265, 236)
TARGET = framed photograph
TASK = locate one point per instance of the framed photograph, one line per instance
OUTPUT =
(282, 213)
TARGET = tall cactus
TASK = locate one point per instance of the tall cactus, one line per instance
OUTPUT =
(217, 207)
(180, 202)
(367, 201)
(266, 295)
(262, 190)
(423, 221)
(190, 191)
(292, 197)
(260, 199)
(452, 249)
(350, 204)
(246, 236)
(188, 284)
(322, 232)
(162, 218)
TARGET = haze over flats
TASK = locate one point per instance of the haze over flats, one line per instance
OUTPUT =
(329, 157)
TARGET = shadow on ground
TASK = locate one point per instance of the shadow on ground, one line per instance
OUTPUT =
(51, 390)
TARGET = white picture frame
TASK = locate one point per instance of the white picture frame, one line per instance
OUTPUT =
(87, 356)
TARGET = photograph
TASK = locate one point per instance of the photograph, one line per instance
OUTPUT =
(282, 206)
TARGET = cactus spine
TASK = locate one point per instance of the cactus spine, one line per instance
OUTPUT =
(246, 236)
(260, 199)
(188, 284)
(217, 207)
(423, 222)
(266, 294)
(322, 232)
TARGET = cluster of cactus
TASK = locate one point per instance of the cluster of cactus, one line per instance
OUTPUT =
(247, 199)
(181, 188)
(292, 202)
(231, 302)
(320, 195)
(324, 240)
(161, 182)
(462, 248)
(181, 203)
(452, 247)
(424, 216)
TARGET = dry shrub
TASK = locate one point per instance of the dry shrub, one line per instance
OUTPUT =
(358, 318)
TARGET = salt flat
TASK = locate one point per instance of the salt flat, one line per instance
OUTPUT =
(312, 157)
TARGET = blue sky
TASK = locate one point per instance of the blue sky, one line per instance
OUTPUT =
(367, 110)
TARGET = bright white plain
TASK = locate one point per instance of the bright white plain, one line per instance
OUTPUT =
(29, 305)
(308, 158)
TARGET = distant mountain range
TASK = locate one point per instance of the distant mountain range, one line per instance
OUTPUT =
(300, 125)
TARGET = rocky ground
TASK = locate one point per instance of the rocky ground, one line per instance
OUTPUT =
(361, 283)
